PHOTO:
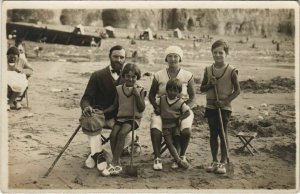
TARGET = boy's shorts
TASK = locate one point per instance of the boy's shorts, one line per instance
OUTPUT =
(214, 114)
(156, 122)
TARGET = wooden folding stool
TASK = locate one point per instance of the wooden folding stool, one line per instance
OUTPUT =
(246, 138)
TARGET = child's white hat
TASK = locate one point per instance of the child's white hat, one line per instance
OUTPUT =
(174, 50)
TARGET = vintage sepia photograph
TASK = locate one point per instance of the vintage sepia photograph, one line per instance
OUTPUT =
(150, 96)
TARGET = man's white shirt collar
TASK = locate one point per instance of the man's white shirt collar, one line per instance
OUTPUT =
(114, 75)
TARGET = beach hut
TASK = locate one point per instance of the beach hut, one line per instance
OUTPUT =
(177, 33)
(110, 31)
(147, 34)
(79, 29)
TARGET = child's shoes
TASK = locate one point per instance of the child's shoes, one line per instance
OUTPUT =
(107, 171)
(157, 164)
(213, 167)
(221, 168)
(117, 170)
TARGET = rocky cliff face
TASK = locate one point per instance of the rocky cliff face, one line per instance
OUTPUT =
(220, 21)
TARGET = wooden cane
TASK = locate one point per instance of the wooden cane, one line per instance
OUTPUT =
(62, 151)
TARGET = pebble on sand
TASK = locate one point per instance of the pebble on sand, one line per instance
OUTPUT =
(260, 118)
(263, 105)
(250, 107)
(266, 113)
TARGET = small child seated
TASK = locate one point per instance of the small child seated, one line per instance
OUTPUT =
(173, 110)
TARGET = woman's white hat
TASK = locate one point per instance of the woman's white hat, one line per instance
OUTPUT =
(174, 50)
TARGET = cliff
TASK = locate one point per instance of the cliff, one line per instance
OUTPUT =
(263, 22)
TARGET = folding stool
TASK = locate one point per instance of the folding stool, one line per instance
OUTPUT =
(246, 138)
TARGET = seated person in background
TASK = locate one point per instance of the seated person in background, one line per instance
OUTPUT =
(18, 71)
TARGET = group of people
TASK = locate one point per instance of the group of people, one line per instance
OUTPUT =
(114, 99)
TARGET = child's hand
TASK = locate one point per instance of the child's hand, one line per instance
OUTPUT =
(213, 81)
(179, 122)
(157, 110)
(135, 91)
(221, 103)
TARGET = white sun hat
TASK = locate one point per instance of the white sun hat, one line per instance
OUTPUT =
(174, 50)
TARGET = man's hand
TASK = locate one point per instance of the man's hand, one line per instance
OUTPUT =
(87, 111)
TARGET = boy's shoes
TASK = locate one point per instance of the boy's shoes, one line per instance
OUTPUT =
(174, 165)
(100, 160)
(183, 164)
(221, 169)
(107, 171)
(157, 164)
(213, 167)
(90, 162)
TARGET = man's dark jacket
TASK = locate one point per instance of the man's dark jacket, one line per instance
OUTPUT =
(100, 91)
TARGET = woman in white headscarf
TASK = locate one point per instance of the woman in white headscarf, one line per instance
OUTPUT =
(173, 57)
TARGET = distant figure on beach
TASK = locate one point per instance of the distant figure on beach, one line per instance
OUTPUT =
(224, 77)
(173, 57)
(37, 50)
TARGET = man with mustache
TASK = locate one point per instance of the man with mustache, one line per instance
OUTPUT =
(99, 94)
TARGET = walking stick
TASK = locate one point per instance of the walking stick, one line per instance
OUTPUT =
(132, 170)
(62, 151)
(229, 165)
